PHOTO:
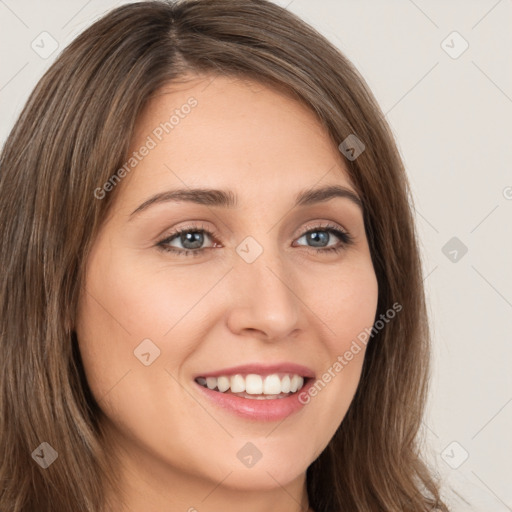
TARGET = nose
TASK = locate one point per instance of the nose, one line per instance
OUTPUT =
(264, 299)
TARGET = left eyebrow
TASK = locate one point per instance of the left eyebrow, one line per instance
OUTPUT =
(323, 194)
(228, 199)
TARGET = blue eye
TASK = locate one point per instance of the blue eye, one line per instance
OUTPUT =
(192, 239)
(320, 235)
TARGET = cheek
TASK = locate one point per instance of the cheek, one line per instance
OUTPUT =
(125, 302)
(347, 309)
(128, 301)
(151, 298)
(121, 309)
(348, 304)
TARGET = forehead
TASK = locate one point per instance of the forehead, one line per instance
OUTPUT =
(223, 132)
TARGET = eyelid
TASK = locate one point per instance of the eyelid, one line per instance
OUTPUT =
(322, 224)
(344, 235)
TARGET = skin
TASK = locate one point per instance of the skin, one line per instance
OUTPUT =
(177, 450)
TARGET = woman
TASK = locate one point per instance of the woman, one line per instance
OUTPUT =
(206, 231)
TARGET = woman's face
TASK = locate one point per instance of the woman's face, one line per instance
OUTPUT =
(253, 286)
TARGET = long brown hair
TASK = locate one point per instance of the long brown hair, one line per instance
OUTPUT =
(74, 134)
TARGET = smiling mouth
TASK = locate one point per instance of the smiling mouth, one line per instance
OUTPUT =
(254, 386)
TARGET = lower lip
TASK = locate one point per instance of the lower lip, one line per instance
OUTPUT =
(274, 409)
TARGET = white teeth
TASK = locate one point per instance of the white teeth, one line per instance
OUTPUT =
(223, 383)
(272, 385)
(253, 384)
(237, 384)
(296, 383)
(285, 384)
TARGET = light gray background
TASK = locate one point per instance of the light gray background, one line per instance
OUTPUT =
(452, 120)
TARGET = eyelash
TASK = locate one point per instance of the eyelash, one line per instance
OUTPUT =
(345, 237)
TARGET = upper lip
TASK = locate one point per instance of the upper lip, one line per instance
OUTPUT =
(261, 369)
